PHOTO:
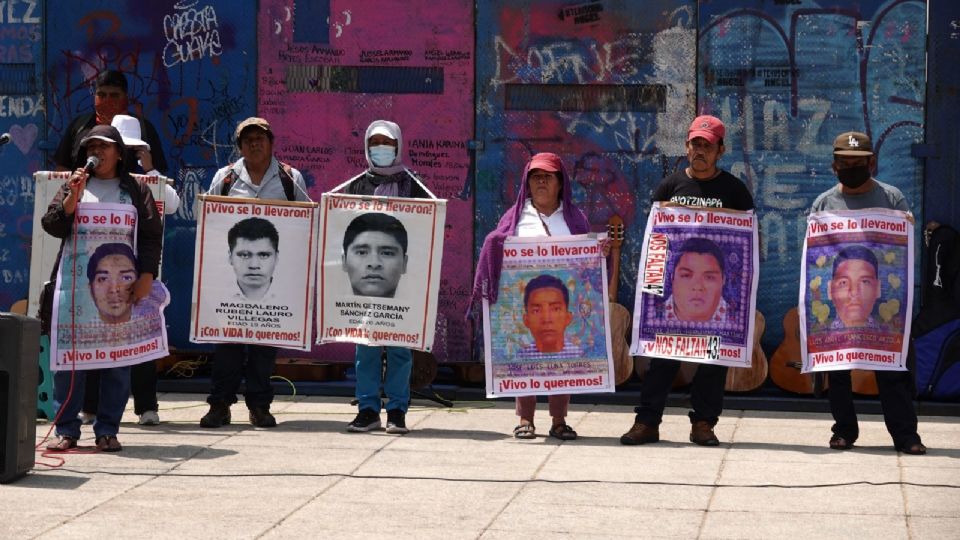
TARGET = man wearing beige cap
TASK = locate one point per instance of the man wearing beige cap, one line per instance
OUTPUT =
(854, 163)
(701, 183)
(257, 175)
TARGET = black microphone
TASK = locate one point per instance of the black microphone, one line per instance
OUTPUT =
(92, 163)
(4, 139)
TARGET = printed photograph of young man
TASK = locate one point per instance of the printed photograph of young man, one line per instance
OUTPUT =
(375, 254)
(854, 288)
(112, 271)
(254, 250)
(546, 314)
(697, 283)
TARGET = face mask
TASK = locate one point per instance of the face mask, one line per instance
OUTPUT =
(854, 177)
(382, 155)
(107, 108)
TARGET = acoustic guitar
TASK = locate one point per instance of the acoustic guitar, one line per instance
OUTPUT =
(619, 316)
(785, 364)
(19, 307)
(424, 369)
(748, 379)
(864, 382)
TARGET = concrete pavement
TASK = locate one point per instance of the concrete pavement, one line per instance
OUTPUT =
(461, 474)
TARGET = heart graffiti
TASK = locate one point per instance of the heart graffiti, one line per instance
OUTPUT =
(24, 136)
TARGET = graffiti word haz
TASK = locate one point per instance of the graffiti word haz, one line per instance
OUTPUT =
(30, 15)
(191, 34)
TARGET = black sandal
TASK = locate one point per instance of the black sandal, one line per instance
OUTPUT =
(563, 432)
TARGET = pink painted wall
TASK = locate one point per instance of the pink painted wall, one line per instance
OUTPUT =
(320, 131)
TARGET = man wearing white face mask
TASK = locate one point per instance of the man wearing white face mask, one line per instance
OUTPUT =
(388, 177)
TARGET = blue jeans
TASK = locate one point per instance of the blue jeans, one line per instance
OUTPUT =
(114, 391)
(397, 381)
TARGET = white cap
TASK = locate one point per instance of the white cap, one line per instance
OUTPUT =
(129, 128)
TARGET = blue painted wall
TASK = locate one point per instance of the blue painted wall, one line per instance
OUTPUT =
(21, 115)
(191, 67)
(787, 78)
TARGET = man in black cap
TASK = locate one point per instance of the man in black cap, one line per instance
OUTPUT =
(854, 163)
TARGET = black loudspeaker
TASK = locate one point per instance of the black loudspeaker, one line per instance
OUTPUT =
(19, 361)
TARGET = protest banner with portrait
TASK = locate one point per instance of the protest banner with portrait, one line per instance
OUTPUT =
(856, 290)
(44, 247)
(380, 274)
(548, 332)
(697, 285)
(96, 322)
(254, 273)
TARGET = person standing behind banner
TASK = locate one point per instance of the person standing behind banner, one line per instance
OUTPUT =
(129, 128)
(701, 183)
(257, 175)
(110, 101)
(544, 207)
(854, 163)
(386, 176)
(109, 183)
(143, 376)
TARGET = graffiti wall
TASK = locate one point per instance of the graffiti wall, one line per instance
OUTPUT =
(190, 66)
(609, 87)
(329, 68)
(21, 117)
(787, 78)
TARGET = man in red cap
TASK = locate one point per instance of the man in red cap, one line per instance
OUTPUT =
(701, 183)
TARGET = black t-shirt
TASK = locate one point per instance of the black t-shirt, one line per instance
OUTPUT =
(70, 156)
(723, 191)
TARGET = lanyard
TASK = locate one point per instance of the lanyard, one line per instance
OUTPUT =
(544, 223)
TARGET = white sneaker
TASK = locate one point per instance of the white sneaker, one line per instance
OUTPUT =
(149, 418)
(87, 418)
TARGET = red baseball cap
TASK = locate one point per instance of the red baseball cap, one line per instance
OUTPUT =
(708, 127)
(546, 161)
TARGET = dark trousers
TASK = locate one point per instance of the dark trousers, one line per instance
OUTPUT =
(251, 363)
(706, 392)
(896, 399)
(143, 386)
